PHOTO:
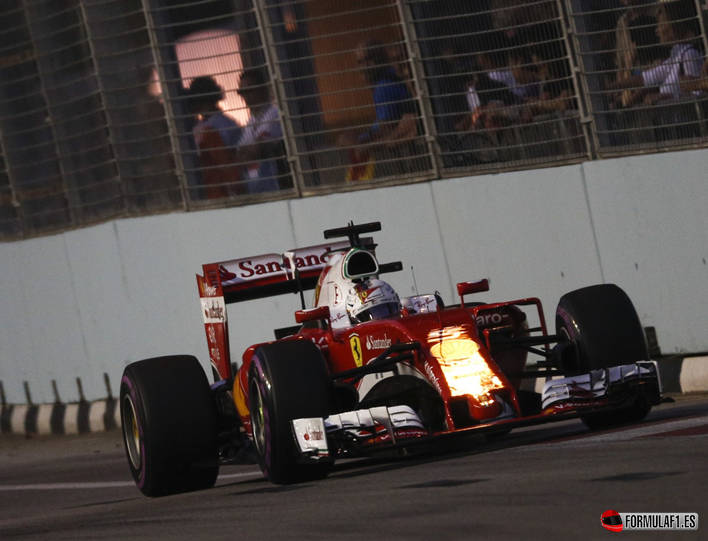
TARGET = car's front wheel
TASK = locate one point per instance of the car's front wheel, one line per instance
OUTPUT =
(169, 425)
(604, 324)
(287, 380)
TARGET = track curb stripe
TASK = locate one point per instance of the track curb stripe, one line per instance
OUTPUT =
(5, 417)
(59, 418)
(17, 420)
(31, 420)
(57, 422)
(44, 419)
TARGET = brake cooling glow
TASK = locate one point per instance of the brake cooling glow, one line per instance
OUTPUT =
(465, 370)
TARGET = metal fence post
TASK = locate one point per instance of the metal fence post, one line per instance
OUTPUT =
(14, 202)
(271, 56)
(587, 119)
(102, 97)
(702, 22)
(421, 87)
(165, 83)
(50, 123)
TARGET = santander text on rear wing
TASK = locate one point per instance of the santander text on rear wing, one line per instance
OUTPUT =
(267, 275)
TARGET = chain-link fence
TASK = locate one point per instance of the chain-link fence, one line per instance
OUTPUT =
(643, 72)
(353, 107)
(500, 80)
(83, 139)
(111, 109)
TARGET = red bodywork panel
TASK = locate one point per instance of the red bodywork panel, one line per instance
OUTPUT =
(437, 334)
(356, 346)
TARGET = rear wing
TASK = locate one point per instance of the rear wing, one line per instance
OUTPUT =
(269, 275)
(250, 278)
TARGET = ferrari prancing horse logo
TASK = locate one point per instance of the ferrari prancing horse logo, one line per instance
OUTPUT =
(355, 343)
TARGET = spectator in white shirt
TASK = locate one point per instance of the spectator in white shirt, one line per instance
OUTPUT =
(678, 27)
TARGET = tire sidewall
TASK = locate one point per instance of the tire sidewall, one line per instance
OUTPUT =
(259, 378)
(129, 389)
(294, 383)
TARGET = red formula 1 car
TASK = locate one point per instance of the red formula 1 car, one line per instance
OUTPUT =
(364, 371)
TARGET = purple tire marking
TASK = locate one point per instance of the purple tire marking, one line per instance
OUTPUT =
(568, 322)
(266, 416)
(131, 392)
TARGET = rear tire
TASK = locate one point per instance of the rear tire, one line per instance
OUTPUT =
(603, 322)
(169, 425)
(287, 380)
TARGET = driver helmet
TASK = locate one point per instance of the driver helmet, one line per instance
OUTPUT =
(372, 299)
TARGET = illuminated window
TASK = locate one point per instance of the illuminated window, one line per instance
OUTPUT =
(214, 53)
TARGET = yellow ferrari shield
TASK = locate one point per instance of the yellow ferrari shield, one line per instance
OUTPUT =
(355, 343)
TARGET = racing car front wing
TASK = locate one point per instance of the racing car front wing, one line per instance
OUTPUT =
(598, 386)
(385, 427)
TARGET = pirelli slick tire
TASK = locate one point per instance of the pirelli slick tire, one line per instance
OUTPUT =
(604, 324)
(169, 425)
(287, 380)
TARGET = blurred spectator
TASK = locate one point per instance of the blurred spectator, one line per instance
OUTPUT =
(596, 38)
(646, 51)
(454, 82)
(490, 104)
(525, 72)
(261, 149)
(515, 16)
(495, 62)
(495, 90)
(633, 32)
(679, 28)
(696, 85)
(396, 118)
(556, 91)
(215, 136)
(398, 58)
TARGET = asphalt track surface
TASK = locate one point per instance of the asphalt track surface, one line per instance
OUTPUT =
(546, 482)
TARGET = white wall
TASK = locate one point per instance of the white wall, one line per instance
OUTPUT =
(651, 220)
(88, 302)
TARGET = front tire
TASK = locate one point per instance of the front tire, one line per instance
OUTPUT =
(169, 425)
(604, 324)
(287, 380)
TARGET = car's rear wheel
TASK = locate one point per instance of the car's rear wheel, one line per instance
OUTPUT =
(169, 425)
(287, 380)
(604, 324)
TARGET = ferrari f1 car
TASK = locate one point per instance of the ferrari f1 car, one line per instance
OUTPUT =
(365, 371)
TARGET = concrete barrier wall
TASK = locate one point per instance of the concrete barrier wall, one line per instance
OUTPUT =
(650, 216)
(86, 303)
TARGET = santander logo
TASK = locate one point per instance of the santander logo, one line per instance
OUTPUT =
(271, 265)
(378, 343)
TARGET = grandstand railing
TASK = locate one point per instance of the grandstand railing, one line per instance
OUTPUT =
(101, 118)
